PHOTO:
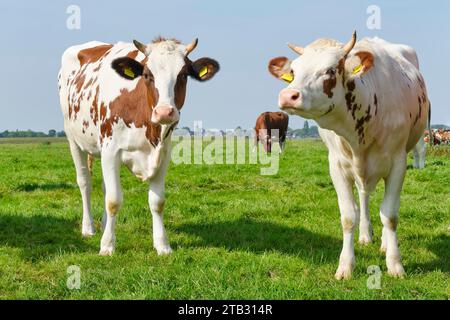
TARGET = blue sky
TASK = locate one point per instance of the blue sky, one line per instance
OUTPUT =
(241, 35)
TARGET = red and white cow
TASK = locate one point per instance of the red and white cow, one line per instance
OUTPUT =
(371, 104)
(121, 102)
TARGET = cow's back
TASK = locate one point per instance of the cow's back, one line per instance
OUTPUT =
(401, 97)
(272, 120)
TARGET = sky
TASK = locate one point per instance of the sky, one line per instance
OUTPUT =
(242, 35)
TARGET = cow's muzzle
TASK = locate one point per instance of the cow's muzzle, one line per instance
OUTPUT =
(289, 98)
(165, 115)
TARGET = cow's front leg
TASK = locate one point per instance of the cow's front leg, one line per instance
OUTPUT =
(349, 218)
(365, 227)
(156, 200)
(389, 215)
(85, 185)
(105, 214)
(113, 201)
(282, 143)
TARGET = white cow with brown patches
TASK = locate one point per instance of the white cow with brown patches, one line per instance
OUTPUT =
(371, 104)
(121, 102)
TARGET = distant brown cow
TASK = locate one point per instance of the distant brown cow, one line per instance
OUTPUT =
(265, 123)
(439, 136)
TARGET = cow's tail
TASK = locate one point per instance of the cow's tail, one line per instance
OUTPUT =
(430, 133)
(90, 161)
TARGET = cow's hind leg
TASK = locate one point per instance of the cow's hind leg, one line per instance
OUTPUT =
(105, 214)
(419, 152)
(156, 200)
(389, 216)
(349, 218)
(365, 227)
(113, 201)
(85, 185)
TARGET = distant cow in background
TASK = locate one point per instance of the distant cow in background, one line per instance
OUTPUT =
(439, 136)
(265, 123)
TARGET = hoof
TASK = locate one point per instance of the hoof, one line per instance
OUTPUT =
(164, 250)
(365, 239)
(106, 252)
(87, 232)
(395, 268)
(344, 271)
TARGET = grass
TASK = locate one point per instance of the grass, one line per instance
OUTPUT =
(235, 234)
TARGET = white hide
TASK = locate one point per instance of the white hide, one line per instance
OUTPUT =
(390, 133)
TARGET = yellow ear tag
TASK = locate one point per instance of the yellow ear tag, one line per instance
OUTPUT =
(288, 77)
(203, 71)
(357, 69)
(128, 72)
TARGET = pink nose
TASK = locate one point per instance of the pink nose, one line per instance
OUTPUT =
(164, 115)
(289, 98)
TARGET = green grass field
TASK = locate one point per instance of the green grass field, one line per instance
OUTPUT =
(235, 233)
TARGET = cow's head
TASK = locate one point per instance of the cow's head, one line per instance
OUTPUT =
(318, 78)
(165, 71)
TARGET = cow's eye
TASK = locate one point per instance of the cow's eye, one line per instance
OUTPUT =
(331, 72)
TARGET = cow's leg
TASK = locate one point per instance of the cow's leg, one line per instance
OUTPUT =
(113, 200)
(85, 185)
(389, 215)
(349, 218)
(419, 152)
(105, 214)
(255, 141)
(383, 241)
(365, 227)
(156, 200)
(282, 143)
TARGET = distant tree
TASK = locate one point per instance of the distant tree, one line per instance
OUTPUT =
(306, 129)
(313, 131)
(52, 133)
(61, 134)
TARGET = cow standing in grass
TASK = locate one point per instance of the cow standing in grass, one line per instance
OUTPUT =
(371, 104)
(121, 102)
(265, 123)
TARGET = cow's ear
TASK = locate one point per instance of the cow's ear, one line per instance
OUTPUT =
(204, 69)
(280, 68)
(127, 68)
(359, 63)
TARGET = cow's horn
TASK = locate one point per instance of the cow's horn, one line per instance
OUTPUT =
(141, 47)
(191, 46)
(296, 49)
(349, 46)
